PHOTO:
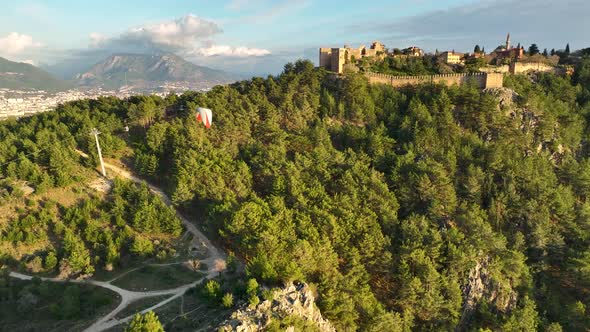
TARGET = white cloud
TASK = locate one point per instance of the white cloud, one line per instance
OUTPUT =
(29, 61)
(179, 34)
(15, 43)
(189, 35)
(224, 50)
(97, 39)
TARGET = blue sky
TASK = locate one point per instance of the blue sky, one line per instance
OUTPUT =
(259, 36)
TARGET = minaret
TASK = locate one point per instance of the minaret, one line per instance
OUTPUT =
(508, 41)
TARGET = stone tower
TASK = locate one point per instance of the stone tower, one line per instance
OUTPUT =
(508, 41)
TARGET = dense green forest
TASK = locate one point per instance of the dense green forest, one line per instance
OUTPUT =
(392, 203)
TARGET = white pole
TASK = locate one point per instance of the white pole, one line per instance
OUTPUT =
(95, 132)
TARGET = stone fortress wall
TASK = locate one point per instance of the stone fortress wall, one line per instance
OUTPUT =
(524, 67)
(482, 80)
(489, 77)
(495, 69)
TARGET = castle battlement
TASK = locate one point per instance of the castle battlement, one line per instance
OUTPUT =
(483, 80)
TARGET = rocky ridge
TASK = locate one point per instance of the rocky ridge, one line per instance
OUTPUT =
(294, 300)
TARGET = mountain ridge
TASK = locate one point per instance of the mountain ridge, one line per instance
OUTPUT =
(120, 69)
(20, 75)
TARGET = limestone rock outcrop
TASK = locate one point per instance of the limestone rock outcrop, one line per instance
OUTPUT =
(294, 300)
(506, 97)
(480, 285)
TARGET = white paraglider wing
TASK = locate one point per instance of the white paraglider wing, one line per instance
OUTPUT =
(205, 115)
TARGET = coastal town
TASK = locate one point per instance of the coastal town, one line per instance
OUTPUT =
(19, 103)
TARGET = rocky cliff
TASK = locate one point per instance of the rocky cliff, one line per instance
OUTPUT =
(480, 285)
(294, 301)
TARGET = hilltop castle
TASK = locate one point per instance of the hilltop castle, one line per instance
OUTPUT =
(451, 65)
(334, 59)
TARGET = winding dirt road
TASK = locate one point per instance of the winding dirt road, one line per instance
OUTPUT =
(215, 262)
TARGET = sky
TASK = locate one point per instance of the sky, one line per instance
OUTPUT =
(260, 36)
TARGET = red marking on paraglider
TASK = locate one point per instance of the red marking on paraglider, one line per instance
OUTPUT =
(206, 122)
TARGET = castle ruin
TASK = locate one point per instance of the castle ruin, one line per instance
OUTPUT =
(507, 57)
(334, 59)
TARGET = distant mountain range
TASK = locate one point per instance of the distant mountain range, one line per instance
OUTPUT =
(23, 76)
(142, 71)
(145, 69)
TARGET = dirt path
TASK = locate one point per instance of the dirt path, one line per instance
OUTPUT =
(215, 262)
(199, 239)
(127, 297)
(139, 267)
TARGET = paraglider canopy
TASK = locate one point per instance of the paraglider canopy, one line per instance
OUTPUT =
(204, 115)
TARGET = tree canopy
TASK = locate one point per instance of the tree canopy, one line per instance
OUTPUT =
(147, 322)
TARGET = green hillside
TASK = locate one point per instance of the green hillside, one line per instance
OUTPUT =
(21, 76)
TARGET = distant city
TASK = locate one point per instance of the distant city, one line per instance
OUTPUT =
(26, 89)
(19, 103)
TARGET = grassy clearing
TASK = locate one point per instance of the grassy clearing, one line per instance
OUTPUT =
(129, 262)
(66, 196)
(191, 313)
(140, 305)
(47, 306)
(153, 277)
(188, 313)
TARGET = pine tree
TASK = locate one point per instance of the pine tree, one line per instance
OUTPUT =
(145, 323)
(227, 300)
(567, 49)
(476, 49)
(545, 54)
(533, 49)
(552, 52)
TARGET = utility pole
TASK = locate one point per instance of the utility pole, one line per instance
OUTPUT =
(95, 132)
